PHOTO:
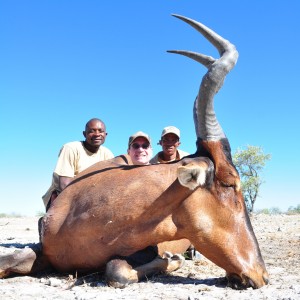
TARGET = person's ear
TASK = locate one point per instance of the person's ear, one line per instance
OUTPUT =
(84, 134)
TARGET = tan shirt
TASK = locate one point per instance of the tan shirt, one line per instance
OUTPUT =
(158, 160)
(74, 158)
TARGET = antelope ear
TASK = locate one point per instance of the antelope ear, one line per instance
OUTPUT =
(192, 175)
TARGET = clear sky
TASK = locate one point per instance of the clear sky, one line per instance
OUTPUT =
(64, 62)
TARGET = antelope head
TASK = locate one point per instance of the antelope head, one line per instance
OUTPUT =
(224, 205)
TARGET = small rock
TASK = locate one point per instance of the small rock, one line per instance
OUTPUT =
(101, 284)
(45, 281)
(52, 282)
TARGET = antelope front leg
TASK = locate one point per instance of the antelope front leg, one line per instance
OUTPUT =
(119, 273)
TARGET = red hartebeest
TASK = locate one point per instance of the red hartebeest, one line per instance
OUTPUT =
(120, 217)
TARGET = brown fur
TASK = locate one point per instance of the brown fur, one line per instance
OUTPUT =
(124, 209)
(116, 210)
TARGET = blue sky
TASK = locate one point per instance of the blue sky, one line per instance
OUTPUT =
(64, 62)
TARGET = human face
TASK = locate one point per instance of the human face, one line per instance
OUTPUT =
(170, 143)
(95, 134)
(138, 154)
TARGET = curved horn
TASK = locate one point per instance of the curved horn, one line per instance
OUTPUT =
(206, 124)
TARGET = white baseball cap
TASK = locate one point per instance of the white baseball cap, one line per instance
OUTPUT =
(138, 134)
(170, 129)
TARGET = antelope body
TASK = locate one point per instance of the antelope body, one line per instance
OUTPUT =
(122, 218)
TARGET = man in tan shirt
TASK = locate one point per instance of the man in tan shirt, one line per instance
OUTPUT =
(170, 141)
(74, 157)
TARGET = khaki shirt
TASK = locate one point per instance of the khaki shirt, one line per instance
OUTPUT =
(74, 158)
(158, 160)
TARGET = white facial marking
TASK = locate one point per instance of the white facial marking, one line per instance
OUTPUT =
(206, 224)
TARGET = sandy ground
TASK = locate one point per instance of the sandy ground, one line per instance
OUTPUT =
(278, 236)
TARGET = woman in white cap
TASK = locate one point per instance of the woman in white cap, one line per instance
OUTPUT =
(170, 141)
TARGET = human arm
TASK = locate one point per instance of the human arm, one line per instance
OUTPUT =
(64, 181)
(67, 165)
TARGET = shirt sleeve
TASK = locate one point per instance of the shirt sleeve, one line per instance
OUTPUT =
(154, 160)
(108, 154)
(66, 164)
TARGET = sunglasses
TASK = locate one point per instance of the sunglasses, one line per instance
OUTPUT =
(136, 146)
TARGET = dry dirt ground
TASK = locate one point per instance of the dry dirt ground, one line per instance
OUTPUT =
(278, 236)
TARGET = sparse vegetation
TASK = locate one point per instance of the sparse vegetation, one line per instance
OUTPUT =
(12, 215)
(250, 163)
(276, 211)
(294, 210)
(269, 211)
(40, 214)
